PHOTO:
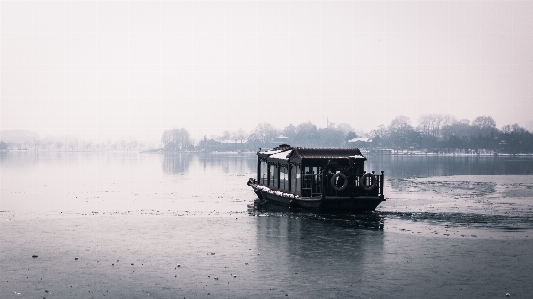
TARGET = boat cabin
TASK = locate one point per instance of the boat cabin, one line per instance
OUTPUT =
(317, 172)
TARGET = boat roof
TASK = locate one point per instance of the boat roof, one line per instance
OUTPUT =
(282, 156)
(286, 153)
(328, 153)
(273, 151)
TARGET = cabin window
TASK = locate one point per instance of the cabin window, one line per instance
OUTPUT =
(312, 170)
(295, 178)
(283, 178)
(312, 181)
(264, 173)
(274, 176)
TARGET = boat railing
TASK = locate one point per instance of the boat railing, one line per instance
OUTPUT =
(315, 184)
(354, 187)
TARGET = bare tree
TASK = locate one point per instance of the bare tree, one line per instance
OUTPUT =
(123, 144)
(424, 124)
(448, 120)
(484, 126)
(176, 139)
(226, 136)
(72, 144)
(401, 132)
(86, 146)
(36, 143)
(344, 128)
(45, 144)
(289, 132)
(240, 135)
(265, 133)
(484, 122)
(132, 145)
(513, 129)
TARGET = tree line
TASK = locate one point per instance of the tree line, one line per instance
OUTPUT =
(436, 133)
(444, 133)
(432, 133)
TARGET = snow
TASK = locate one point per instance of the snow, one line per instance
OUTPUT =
(360, 139)
(282, 155)
(278, 193)
(271, 152)
(356, 157)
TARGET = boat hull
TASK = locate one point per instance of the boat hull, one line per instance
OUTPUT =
(336, 203)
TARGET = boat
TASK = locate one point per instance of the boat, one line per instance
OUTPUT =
(317, 178)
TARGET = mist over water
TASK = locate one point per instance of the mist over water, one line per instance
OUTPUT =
(185, 225)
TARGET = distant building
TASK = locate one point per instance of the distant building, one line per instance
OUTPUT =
(231, 145)
(382, 151)
(281, 140)
(359, 142)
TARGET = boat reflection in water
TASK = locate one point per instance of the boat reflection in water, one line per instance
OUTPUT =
(349, 219)
(311, 254)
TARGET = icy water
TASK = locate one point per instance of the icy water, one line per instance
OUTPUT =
(115, 225)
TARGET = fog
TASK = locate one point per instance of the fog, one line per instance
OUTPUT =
(109, 69)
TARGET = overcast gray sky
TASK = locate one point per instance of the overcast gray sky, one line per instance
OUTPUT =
(130, 68)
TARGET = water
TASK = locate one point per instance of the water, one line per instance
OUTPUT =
(467, 196)
(185, 225)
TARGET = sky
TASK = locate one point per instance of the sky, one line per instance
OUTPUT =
(100, 70)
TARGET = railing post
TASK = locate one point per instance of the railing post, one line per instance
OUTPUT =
(381, 182)
(323, 187)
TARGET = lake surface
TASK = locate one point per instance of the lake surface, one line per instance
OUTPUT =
(130, 225)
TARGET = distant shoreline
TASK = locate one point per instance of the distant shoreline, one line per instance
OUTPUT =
(372, 153)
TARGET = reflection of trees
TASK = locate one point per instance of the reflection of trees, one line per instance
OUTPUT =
(230, 164)
(174, 163)
(24, 140)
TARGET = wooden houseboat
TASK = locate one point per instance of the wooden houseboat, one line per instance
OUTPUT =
(318, 178)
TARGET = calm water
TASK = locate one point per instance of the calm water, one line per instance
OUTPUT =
(172, 226)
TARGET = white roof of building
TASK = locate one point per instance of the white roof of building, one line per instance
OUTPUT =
(360, 139)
